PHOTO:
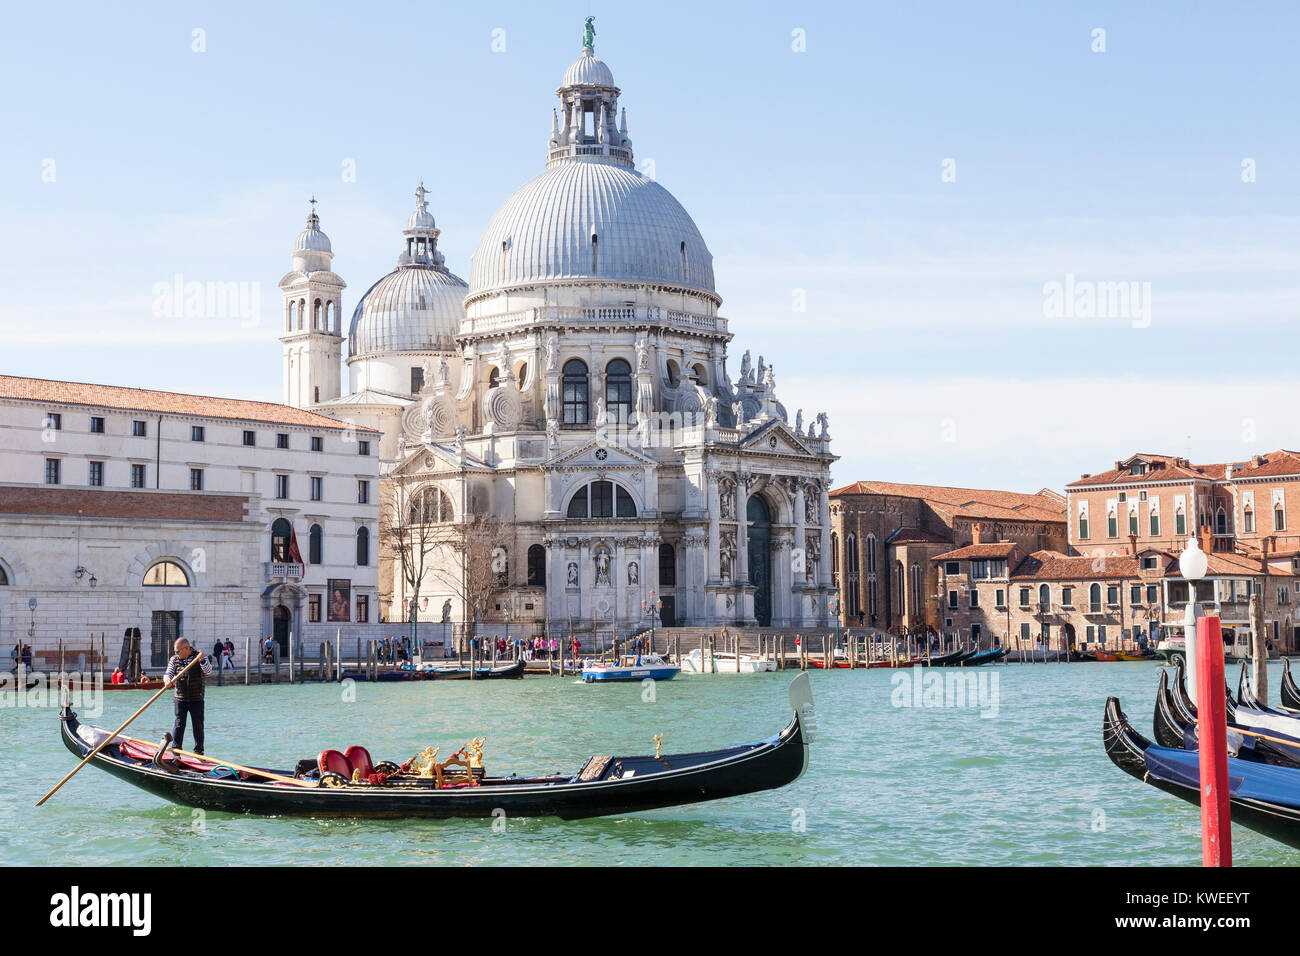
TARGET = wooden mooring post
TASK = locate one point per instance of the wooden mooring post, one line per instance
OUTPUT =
(247, 644)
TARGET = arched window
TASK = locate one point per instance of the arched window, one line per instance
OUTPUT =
(363, 547)
(852, 596)
(316, 315)
(431, 506)
(537, 566)
(594, 246)
(494, 377)
(4, 578)
(331, 317)
(1044, 595)
(302, 312)
(601, 499)
(280, 534)
(574, 393)
(835, 559)
(618, 391)
(166, 574)
(522, 374)
(667, 566)
(1094, 598)
(314, 544)
(871, 553)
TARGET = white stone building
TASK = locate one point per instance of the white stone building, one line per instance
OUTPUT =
(576, 392)
(180, 514)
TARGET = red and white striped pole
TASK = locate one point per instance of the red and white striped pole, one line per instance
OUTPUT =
(1212, 729)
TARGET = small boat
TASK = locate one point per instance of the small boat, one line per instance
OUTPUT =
(455, 672)
(629, 667)
(1172, 649)
(1132, 656)
(722, 663)
(1289, 692)
(943, 660)
(984, 657)
(1105, 655)
(1264, 798)
(603, 786)
(887, 663)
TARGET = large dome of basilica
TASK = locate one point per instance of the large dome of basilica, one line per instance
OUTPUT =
(591, 214)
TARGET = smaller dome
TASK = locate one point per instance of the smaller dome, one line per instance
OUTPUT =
(413, 308)
(312, 239)
(586, 70)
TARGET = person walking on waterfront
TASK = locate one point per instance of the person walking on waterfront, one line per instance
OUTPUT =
(189, 692)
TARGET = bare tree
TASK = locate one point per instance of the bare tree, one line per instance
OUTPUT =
(410, 533)
(480, 546)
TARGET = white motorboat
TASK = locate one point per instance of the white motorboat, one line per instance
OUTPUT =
(719, 662)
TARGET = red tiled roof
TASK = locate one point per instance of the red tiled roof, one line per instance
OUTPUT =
(1280, 462)
(1169, 468)
(1230, 564)
(916, 536)
(1054, 566)
(969, 502)
(148, 400)
(993, 549)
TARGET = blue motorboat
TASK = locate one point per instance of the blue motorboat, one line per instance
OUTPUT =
(629, 667)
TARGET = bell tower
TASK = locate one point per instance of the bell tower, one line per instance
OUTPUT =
(313, 316)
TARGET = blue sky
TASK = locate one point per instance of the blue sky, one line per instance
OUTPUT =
(813, 176)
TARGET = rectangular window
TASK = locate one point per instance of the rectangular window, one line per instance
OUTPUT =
(96, 425)
(250, 437)
(1067, 596)
(313, 608)
(137, 476)
(417, 379)
(952, 600)
(1112, 594)
(51, 471)
(282, 486)
(1101, 633)
(1135, 593)
(1000, 598)
(1083, 526)
(1133, 523)
(974, 597)
(282, 440)
(196, 433)
(1155, 525)
(1180, 524)
(1112, 527)
(1279, 519)
(952, 567)
(363, 448)
(1091, 632)
(317, 443)
(363, 492)
(139, 429)
(1024, 597)
(317, 487)
(1248, 521)
(96, 478)
(1149, 563)
(1024, 632)
(53, 421)
(196, 479)
(363, 608)
(1153, 593)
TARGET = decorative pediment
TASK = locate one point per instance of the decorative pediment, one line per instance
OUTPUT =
(419, 459)
(776, 438)
(599, 454)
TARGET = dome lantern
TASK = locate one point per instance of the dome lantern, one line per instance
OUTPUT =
(589, 105)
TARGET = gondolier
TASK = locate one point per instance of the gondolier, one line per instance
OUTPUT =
(189, 692)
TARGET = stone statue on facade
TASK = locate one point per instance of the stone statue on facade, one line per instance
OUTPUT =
(711, 410)
(727, 503)
(602, 566)
(633, 574)
(446, 611)
(824, 422)
(798, 422)
(642, 354)
(738, 413)
(573, 575)
(552, 352)
(724, 564)
(461, 434)
(746, 369)
(601, 417)
(810, 505)
(589, 34)
(444, 373)
(553, 433)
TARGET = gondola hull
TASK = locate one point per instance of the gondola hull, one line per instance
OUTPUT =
(1173, 772)
(624, 784)
(1289, 693)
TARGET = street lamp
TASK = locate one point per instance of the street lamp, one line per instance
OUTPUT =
(652, 607)
(1192, 564)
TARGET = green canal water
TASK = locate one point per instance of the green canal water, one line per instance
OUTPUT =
(1029, 784)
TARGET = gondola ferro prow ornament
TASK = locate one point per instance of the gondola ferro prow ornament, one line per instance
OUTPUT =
(801, 700)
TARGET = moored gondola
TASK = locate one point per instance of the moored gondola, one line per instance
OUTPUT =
(984, 657)
(453, 672)
(603, 786)
(1289, 693)
(1174, 729)
(1265, 799)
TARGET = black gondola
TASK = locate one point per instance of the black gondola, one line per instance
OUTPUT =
(1173, 727)
(1186, 706)
(945, 660)
(1289, 693)
(1265, 799)
(604, 785)
(454, 672)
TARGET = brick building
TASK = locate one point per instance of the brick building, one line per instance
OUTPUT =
(885, 536)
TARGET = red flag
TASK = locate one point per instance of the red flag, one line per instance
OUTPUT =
(295, 556)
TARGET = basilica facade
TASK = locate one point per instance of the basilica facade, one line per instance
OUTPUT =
(562, 438)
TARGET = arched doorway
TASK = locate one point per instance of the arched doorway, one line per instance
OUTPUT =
(759, 519)
(281, 633)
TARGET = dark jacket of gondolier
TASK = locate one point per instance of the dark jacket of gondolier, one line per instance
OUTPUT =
(191, 684)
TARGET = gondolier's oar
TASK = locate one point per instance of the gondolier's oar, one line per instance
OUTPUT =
(269, 775)
(109, 739)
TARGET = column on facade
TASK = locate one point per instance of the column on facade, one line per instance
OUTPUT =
(715, 535)
(824, 515)
(800, 536)
(650, 567)
(556, 577)
(586, 580)
(618, 578)
(742, 529)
